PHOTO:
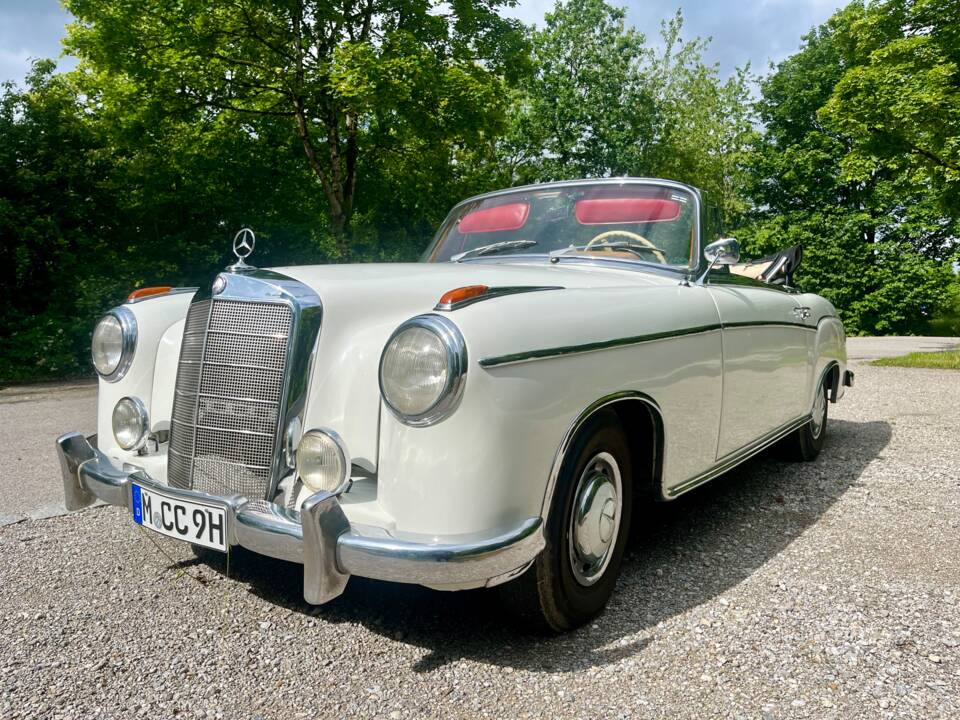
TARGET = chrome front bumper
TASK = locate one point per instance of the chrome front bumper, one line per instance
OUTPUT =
(319, 536)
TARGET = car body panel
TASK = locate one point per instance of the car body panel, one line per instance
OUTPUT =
(765, 362)
(363, 304)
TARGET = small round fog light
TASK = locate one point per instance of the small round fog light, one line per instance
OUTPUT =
(130, 423)
(323, 462)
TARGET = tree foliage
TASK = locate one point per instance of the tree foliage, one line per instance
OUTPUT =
(899, 97)
(588, 109)
(877, 241)
(95, 204)
(601, 102)
(351, 80)
(346, 131)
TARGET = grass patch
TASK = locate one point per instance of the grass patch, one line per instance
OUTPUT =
(949, 359)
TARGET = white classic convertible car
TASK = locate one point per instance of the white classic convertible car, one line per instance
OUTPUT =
(488, 416)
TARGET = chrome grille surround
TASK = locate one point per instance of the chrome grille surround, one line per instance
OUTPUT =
(243, 374)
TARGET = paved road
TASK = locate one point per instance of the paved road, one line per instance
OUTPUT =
(871, 348)
(31, 418)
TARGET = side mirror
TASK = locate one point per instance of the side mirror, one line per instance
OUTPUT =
(725, 251)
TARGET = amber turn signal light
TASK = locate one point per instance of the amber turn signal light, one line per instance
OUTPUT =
(460, 294)
(148, 291)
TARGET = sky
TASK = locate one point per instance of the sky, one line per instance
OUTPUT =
(754, 31)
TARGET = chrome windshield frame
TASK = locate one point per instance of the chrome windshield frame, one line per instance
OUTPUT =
(679, 271)
(687, 270)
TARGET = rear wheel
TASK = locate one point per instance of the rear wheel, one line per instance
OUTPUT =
(804, 444)
(572, 579)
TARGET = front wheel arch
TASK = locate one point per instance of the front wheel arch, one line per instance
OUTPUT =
(551, 595)
(642, 421)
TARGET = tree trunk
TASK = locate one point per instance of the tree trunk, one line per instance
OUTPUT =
(339, 194)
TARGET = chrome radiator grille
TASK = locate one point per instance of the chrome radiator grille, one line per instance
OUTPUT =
(228, 400)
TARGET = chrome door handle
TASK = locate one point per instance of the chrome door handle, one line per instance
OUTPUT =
(801, 312)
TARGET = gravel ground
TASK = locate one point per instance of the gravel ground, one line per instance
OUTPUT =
(826, 590)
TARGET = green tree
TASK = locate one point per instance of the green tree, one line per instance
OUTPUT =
(344, 77)
(865, 236)
(95, 202)
(898, 99)
(50, 205)
(706, 125)
(588, 109)
(602, 103)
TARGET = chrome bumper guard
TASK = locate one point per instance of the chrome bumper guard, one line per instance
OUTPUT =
(319, 536)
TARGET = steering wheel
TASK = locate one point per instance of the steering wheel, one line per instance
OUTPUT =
(654, 250)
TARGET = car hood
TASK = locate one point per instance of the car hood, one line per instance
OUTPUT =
(364, 304)
(430, 280)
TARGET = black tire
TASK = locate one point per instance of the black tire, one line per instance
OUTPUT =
(804, 444)
(549, 596)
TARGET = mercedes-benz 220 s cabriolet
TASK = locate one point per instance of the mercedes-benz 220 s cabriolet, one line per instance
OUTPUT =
(488, 416)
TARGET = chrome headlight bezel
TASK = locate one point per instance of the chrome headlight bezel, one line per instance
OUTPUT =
(456, 351)
(128, 343)
(142, 419)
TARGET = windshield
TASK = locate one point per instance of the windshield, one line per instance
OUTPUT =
(650, 222)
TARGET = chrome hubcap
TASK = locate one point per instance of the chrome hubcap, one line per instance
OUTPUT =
(595, 521)
(819, 413)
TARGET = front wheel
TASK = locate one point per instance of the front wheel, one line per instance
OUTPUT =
(804, 444)
(571, 581)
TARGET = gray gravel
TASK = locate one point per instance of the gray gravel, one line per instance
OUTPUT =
(826, 590)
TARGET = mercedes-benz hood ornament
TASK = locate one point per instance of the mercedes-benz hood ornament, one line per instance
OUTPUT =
(243, 244)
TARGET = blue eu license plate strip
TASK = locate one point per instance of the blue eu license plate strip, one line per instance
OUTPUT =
(137, 504)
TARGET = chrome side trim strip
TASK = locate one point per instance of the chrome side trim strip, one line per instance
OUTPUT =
(547, 353)
(768, 323)
(731, 460)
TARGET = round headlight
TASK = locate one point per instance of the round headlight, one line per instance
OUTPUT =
(130, 423)
(422, 370)
(114, 342)
(323, 462)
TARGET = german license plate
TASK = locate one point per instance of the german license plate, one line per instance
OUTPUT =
(198, 523)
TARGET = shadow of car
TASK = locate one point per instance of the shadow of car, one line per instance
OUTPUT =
(681, 554)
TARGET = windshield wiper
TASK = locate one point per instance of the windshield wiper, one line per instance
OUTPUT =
(492, 249)
(637, 250)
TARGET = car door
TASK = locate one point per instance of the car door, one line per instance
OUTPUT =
(765, 359)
